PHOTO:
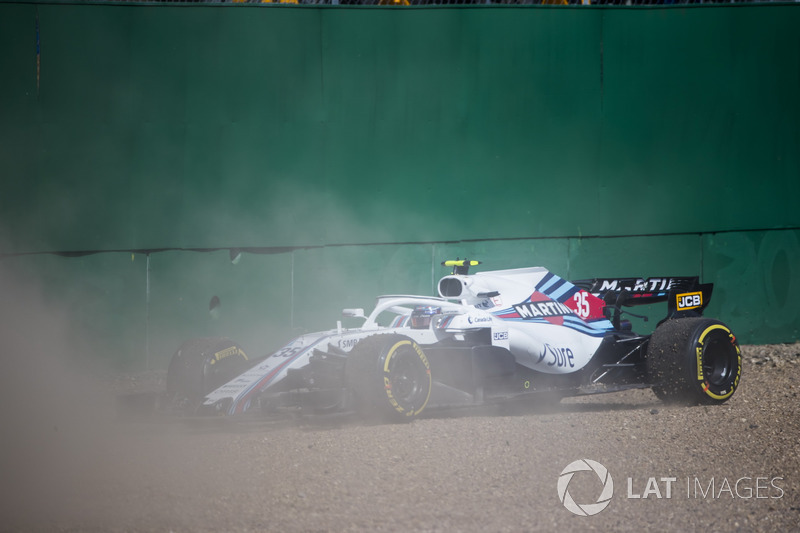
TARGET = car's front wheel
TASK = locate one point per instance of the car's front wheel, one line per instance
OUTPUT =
(200, 366)
(389, 377)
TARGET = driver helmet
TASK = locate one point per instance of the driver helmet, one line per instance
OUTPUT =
(422, 314)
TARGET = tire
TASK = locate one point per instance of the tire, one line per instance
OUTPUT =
(389, 377)
(694, 361)
(200, 366)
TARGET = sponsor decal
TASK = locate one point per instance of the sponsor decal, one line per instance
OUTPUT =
(561, 357)
(500, 335)
(699, 350)
(689, 300)
(531, 310)
(347, 344)
(488, 303)
(639, 284)
(478, 319)
(227, 352)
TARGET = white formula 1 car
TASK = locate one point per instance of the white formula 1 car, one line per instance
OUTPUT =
(488, 337)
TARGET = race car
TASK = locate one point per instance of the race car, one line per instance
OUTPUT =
(491, 336)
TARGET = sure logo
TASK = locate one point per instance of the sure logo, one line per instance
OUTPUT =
(689, 300)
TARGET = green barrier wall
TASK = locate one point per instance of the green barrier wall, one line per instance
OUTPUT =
(116, 309)
(249, 126)
(149, 127)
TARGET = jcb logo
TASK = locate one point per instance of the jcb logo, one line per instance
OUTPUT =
(689, 300)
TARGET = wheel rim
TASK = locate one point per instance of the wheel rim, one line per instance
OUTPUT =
(718, 361)
(405, 377)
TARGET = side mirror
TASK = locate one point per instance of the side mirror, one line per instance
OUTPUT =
(354, 313)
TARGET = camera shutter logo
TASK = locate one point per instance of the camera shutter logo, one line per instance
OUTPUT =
(585, 509)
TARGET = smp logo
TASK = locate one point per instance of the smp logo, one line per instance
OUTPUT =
(585, 509)
(689, 300)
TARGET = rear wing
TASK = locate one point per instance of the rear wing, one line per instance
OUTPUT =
(685, 296)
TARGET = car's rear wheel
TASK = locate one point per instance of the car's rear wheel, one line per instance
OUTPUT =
(694, 360)
(200, 366)
(389, 377)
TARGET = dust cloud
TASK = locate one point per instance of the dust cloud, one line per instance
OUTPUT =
(62, 447)
(68, 464)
